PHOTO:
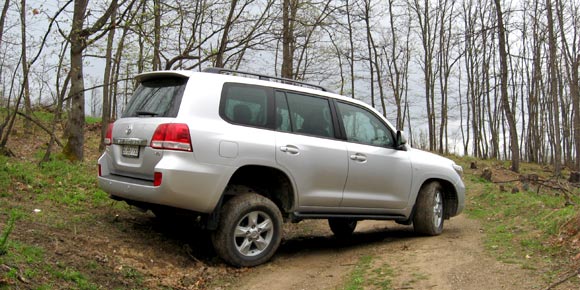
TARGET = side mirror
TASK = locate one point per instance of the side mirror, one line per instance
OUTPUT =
(401, 141)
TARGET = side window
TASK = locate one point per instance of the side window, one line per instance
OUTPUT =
(282, 113)
(310, 115)
(364, 127)
(245, 105)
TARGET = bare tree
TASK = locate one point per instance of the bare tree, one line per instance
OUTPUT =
(25, 67)
(428, 22)
(514, 146)
(106, 108)
(398, 63)
(571, 51)
(219, 60)
(157, 35)
(289, 10)
(554, 90)
(78, 38)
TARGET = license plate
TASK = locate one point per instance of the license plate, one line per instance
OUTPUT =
(131, 151)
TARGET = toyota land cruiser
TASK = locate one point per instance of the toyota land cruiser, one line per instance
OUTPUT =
(246, 151)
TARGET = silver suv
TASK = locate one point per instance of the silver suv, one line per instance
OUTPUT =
(246, 152)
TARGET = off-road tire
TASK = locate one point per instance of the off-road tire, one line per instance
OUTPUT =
(342, 227)
(429, 210)
(242, 249)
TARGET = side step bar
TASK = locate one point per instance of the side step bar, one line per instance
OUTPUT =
(298, 216)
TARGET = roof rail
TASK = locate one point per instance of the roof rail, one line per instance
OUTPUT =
(217, 70)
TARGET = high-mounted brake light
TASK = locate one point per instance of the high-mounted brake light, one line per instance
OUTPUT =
(172, 137)
(109, 136)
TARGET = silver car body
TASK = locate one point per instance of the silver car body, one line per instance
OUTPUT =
(328, 175)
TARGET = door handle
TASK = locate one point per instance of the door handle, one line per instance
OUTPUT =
(290, 149)
(358, 157)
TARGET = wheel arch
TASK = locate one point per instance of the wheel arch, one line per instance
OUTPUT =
(270, 182)
(450, 200)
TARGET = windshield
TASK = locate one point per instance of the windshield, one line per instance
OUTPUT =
(159, 97)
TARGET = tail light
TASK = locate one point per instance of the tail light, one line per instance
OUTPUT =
(172, 137)
(109, 136)
(100, 172)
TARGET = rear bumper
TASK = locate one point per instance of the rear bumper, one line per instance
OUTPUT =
(186, 185)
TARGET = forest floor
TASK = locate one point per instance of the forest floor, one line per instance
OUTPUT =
(67, 234)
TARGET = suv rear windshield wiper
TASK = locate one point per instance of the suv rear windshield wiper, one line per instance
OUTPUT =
(146, 113)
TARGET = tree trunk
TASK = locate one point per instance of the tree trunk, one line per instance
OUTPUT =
(3, 18)
(366, 17)
(351, 47)
(106, 112)
(554, 91)
(289, 9)
(219, 60)
(515, 150)
(25, 68)
(157, 35)
(73, 149)
(141, 40)
(75, 129)
(572, 59)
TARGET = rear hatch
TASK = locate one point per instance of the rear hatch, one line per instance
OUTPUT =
(155, 101)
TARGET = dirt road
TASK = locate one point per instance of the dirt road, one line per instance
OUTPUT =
(454, 260)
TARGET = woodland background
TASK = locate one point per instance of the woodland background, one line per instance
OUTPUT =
(491, 78)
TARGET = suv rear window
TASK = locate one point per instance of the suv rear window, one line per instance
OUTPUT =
(159, 97)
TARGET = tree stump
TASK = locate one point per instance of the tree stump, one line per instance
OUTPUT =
(574, 177)
(473, 165)
(486, 174)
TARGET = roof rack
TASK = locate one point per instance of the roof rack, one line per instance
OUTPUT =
(217, 70)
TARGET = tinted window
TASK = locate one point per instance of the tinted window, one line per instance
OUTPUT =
(159, 97)
(246, 105)
(364, 127)
(282, 113)
(309, 115)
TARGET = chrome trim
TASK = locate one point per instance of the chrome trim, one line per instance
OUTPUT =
(130, 141)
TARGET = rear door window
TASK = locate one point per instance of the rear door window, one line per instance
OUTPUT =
(304, 114)
(158, 97)
(245, 105)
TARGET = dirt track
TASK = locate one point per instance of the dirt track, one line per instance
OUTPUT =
(454, 260)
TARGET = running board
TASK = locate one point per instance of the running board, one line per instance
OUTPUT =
(298, 216)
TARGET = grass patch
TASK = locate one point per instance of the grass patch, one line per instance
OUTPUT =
(132, 274)
(92, 120)
(61, 182)
(15, 214)
(520, 227)
(76, 278)
(28, 258)
(366, 275)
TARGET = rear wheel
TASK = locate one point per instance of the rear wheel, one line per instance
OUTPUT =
(342, 227)
(429, 209)
(249, 230)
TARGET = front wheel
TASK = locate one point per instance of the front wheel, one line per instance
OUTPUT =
(249, 230)
(429, 209)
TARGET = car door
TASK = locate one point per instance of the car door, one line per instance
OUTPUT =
(379, 176)
(307, 149)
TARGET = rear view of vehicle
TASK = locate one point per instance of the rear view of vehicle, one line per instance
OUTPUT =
(149, 154)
